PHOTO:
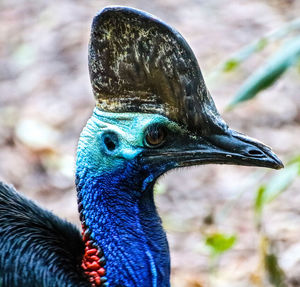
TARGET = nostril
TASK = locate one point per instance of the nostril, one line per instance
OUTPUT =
(255, 152)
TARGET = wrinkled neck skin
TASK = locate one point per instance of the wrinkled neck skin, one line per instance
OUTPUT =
(122, 218)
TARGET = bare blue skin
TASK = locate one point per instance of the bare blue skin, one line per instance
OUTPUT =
(117, 196)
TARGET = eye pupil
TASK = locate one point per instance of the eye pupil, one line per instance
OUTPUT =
(109, 143)
(155, 135)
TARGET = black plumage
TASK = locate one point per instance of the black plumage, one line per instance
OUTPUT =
(43, 246)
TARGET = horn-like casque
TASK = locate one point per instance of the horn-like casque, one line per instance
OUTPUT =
(140, 64)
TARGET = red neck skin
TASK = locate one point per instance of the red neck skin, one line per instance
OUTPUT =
(93, 261)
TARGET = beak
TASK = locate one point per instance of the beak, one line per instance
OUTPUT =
(230, 147)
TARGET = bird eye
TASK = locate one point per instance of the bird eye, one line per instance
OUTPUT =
(155, 135)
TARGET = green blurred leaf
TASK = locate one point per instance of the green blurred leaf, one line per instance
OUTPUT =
(265, 76)
(257, 46)
(259, 200)
(261, 44)
(295, 159)
(275, 273)
(230, 65)
(279, 183)
(219, 243)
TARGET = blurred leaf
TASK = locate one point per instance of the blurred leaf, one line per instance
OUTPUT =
(265, 76)
(259, 201)
(230, 65)
(275, 273)
(257, 46)
(279, 183)
(219, 243)
(295, 159)
(261, 44)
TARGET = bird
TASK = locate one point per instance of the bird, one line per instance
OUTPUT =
(153, 113)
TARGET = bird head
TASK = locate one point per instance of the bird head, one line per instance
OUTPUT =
(153, 110)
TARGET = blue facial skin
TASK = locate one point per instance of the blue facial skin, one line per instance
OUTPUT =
(117, 196)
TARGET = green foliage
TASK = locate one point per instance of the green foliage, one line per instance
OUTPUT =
(265, 194)
(275, 273)
(277, 184)
(230, 65)
(261, 44)
(275, 66)
(236, 59)
(264, 77)
(281, 182)
(259, 200)
(220, 243)
(295, 159)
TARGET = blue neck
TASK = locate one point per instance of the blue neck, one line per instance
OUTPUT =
(125, 224)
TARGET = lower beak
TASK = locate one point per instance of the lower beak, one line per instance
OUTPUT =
(229, 147)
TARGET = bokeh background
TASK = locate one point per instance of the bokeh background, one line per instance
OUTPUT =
(46, 99)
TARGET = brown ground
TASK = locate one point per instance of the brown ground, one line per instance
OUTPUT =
(45, 100)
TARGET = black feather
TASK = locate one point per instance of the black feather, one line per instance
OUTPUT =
(38, 249)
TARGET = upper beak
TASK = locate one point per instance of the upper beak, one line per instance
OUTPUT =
(230, 147)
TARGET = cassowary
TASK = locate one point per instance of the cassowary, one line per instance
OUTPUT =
(153, 113)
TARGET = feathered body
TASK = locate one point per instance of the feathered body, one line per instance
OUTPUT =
(36, 247)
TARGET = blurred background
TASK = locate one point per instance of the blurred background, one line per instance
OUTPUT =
(227, 225)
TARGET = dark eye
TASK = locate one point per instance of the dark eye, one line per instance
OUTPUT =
(110, 141)
(155, 135)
